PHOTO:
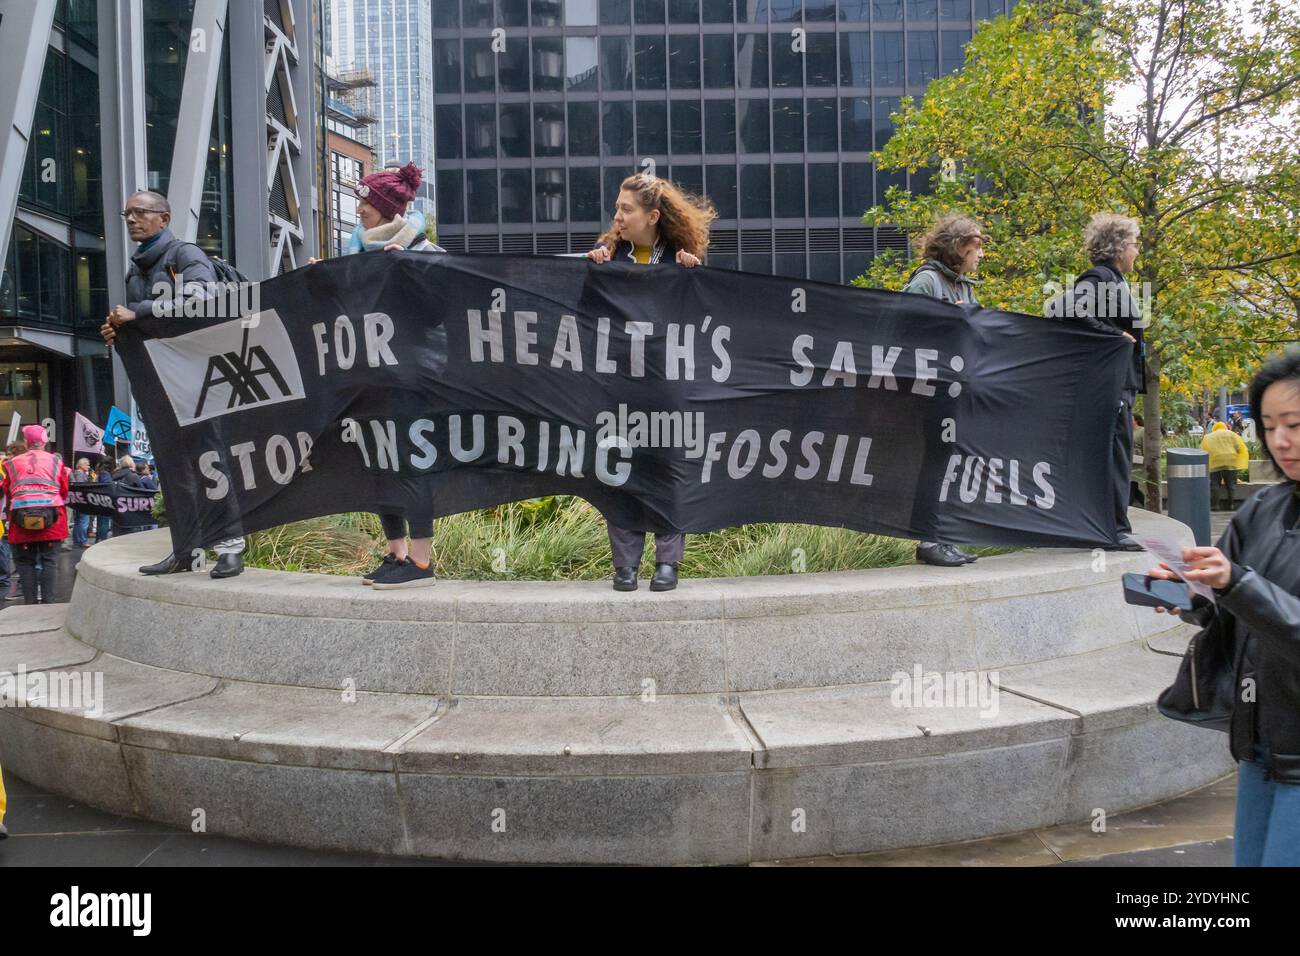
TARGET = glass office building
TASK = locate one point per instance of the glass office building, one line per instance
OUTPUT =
(391, 39)
(770, 107)
(54, 286)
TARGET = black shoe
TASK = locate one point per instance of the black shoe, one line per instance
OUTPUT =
(665, 578)
(405, 574)
(384, 566)
(939, 555)
(625, 579)
(171, 564)
(1126, 543)
(970, 558)
(227, 566)
(4, 834)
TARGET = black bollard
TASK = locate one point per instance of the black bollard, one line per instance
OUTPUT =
(1189, 490)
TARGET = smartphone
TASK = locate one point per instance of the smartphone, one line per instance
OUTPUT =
(1156, 592)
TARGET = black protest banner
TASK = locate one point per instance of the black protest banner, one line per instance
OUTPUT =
(129, 507)
(672, 399)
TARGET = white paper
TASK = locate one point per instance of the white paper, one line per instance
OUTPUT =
(1171, 553)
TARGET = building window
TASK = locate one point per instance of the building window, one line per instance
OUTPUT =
(787, 126)
(446, 15)
(448, 132)
(720, 126)
(517, 195)
(751, 11)
(857, 189)
(615, 63)
(756, 192)
(824, 191)
(481, 195)
(855, 11)
(786, 11)
(616, 128)
(684, 62)
(45, 172)
(719, 11)
(689, 177)
(651, 128)
(512, 66)
(478, 13)
(580, 13)
(480, 130)
(954, 50)
(988, 9)
(584, 194)
(615, 12)
(855, 124)
(548, 64)
(887, 11)
(720, 183)
(823, 125)
(584, 129)
(580, 63)
(451, 202)
(787, 181)
(820, 61)
(855, 59)
(550, 195)
(548, 130)
(515, 128)
(889, 57)
(649, 11)
(546, 13)
(512, 13)
(922, 57)
(884, 108)
(787, 62)
(719, 62)
(922, 10)
(687, 134)
(683, 11)
(753, 126)
(480, 65)
(446, 66)
(651, 73)
(751, 61)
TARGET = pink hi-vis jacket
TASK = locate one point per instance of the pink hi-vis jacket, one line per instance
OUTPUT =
(35, 464)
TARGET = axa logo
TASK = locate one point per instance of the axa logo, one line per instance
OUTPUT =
(227, 368)
(243, 372)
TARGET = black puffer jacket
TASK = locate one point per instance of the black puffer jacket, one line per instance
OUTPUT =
(1262, 603)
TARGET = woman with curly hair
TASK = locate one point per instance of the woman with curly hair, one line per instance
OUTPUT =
(952, 249)
(654, 222)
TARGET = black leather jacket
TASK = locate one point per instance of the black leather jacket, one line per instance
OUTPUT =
(1262, 603)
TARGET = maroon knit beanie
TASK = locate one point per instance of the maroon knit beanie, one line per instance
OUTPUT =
(390, 191)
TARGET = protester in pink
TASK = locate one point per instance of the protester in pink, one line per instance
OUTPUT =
(36, 487)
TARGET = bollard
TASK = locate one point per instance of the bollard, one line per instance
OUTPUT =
(1189, 490)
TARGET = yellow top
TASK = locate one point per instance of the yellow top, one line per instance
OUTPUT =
(642, 254)
(1227, 450)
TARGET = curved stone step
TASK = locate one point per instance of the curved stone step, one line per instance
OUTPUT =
(662, 779)
(580, 639)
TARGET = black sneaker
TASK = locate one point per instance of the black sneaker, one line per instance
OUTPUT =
(384, 566)
(406, 574)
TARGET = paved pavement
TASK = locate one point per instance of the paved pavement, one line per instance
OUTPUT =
(47, 830)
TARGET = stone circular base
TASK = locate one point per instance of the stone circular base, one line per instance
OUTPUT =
(731, 720)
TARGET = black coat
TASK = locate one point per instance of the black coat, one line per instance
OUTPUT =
(1261, 606)
(1104, 302)
(155, 265)
(128, 477)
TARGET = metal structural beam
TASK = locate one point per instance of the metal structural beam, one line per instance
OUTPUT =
(24, 37)
(122, 142)
(194, 122)
(273, 135)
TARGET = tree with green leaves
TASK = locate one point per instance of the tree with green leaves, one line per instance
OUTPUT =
(1179, 113)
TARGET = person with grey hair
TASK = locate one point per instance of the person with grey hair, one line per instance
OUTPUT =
(1101, 300)
(81, 521)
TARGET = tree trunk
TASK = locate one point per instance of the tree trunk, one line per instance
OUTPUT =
(1151, 441)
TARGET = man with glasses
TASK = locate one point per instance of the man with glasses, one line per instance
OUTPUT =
(163, 260)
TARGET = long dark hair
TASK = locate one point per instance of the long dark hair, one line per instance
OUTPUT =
(1280, 368)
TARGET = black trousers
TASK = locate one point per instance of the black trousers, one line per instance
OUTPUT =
(25, 557)
(1122, 461)
(1227, 480)
(626, 546)
(395, 526)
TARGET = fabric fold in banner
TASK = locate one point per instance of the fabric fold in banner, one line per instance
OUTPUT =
(672, 399)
